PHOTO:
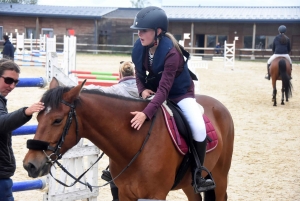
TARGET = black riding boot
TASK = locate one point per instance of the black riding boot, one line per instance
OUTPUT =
(113, 188)
(114, 191)
(202, 184)
(268, 73)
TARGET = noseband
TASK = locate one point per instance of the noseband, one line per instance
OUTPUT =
(45, 146)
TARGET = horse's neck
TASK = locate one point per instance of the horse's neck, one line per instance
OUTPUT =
(106, 122)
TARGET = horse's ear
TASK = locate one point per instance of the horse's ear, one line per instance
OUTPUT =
(73, 94)
(54, 83)
(82, 84)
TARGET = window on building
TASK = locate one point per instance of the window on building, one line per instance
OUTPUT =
(269, 42)
(1, 32)
(260, 42)
(48, 32)
(248, 42)
(102, 37)
(221, 40)
(212, 40)
(135, 36)
(30, 31)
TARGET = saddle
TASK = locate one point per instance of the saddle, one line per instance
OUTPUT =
(181, 135)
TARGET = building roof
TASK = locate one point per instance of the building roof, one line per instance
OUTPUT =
(54, 11)
(175, 13)
(233, 13)
(124, 13)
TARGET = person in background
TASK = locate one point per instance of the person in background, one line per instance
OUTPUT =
(8, 50)
(9, 74)
(161, 69)
(281, 48)
(127, 83)
(218, 48)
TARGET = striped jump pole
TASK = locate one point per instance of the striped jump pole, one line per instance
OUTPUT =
(25, 130)
(98, 77)
(33, 61)
(94, 73)
(33, 65)
(29, 185)
(102, 83)
(32, 82)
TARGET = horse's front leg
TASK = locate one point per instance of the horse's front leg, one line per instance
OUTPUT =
(282, 96)
(274, 97)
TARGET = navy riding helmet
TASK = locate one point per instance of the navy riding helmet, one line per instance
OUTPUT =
(151, 17)
(282, 29)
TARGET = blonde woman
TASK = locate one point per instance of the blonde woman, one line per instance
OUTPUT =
(127, 83)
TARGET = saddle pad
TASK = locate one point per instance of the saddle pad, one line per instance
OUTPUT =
(180, 142)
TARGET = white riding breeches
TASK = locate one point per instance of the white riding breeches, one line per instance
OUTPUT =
(193, 115)
(287, 56)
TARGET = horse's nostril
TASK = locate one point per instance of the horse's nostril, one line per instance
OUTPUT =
(32, 167)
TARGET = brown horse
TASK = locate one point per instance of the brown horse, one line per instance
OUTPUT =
(105, 120)
(280, 69)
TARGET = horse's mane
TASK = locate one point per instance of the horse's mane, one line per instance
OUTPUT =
(53, 97)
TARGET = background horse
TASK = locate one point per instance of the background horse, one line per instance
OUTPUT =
(105, 120)
(280, 69)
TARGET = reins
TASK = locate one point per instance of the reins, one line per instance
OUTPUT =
(41, 145)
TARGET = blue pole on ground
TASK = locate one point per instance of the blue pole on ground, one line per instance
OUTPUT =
(25, 130)
(28, 185)
(32, 82)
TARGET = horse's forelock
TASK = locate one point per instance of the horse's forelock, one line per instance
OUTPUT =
(53, 97)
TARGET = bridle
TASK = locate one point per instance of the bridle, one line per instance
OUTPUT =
(45, 146)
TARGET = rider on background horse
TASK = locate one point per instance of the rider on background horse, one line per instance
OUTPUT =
(281, 48)
(157, 52)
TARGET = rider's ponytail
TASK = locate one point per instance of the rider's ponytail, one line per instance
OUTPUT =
(283, 39)
(174, 41)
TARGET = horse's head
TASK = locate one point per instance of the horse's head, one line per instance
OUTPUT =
(57, 129)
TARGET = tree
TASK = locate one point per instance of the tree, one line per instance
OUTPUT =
(20, 1)
(139, 3)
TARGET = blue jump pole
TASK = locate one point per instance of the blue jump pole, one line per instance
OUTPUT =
(32, 82)
(25, 130)
(28, 185)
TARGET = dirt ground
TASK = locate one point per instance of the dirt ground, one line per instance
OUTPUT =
(266, 155)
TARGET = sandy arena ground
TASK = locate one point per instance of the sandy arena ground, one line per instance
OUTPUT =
(266, 154)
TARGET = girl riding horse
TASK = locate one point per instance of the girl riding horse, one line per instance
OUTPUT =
(281, 48)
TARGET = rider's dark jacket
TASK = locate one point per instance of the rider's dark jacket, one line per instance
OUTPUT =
(168, 76)
(8, 50)
(279, 48)
(8, 123)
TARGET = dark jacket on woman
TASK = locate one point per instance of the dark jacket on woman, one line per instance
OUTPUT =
(8, 50)
(8, 123)
(279, 48)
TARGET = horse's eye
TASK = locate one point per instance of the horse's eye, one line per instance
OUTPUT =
(57, 121)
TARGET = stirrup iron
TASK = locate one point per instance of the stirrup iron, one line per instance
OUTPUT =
(199, 189)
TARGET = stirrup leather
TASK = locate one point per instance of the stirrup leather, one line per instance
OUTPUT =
(197, 173)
